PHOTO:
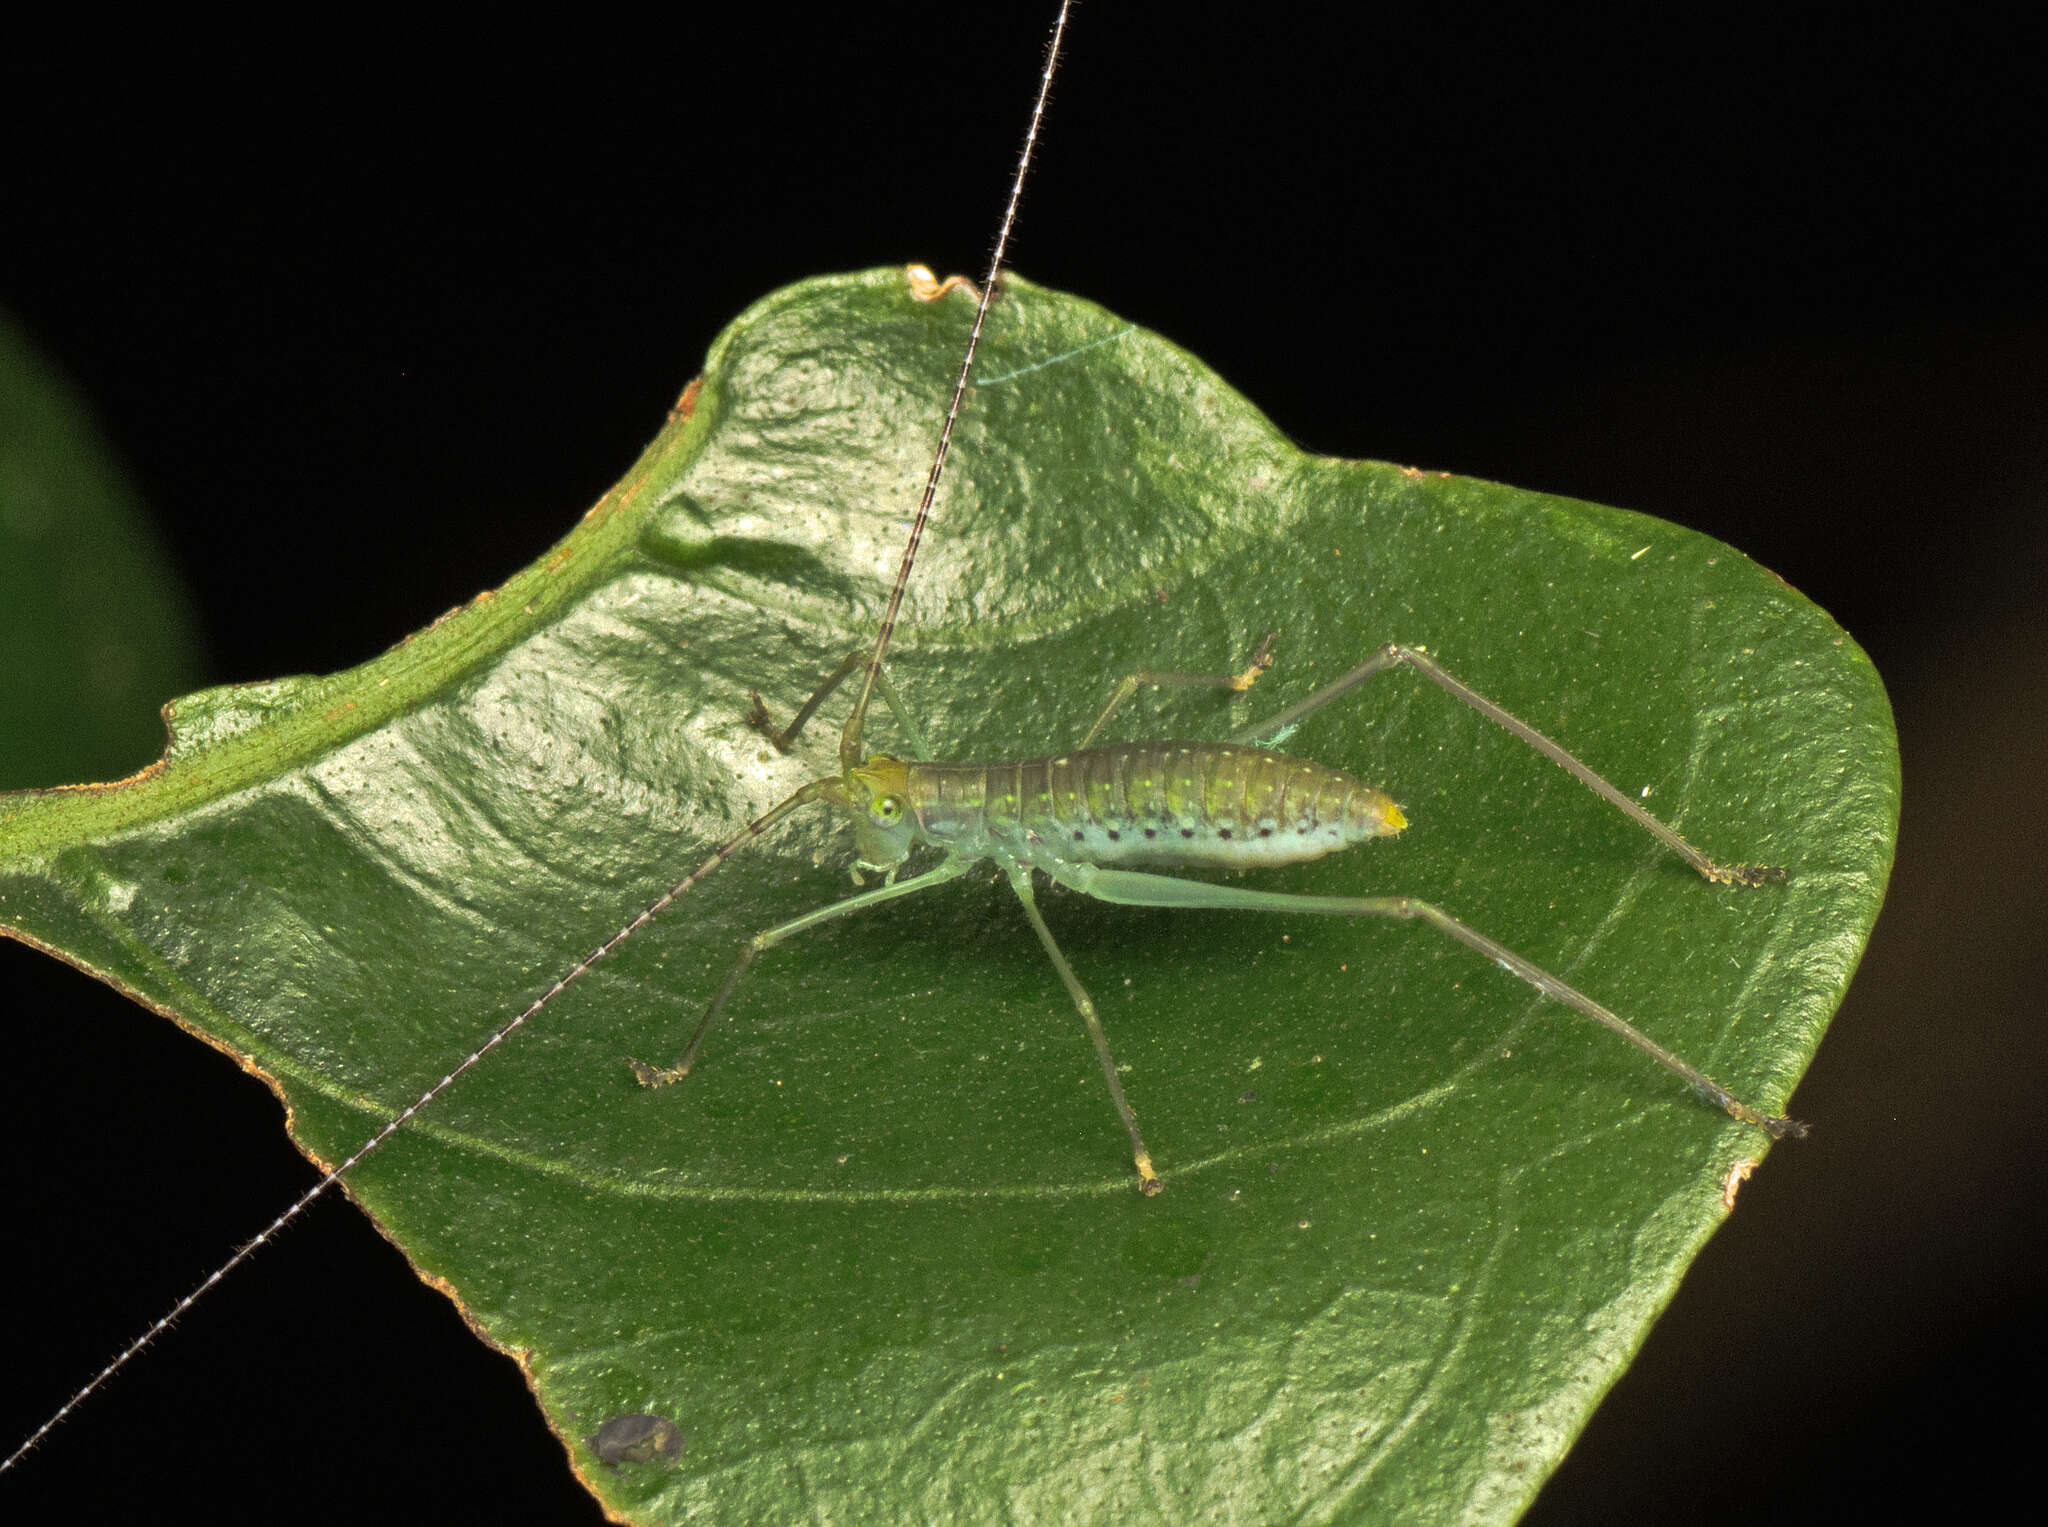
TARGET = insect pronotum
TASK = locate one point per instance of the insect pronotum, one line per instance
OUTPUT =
(1119, 776)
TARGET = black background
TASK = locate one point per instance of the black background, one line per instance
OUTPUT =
(372, 323)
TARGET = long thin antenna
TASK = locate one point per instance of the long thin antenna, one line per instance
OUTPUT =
(849, 752)
(849, 739)
(719, 855)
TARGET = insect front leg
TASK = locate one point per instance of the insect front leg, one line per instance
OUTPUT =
(661, 1076)
(1136, 889)
(759, 719)
(1395, 655)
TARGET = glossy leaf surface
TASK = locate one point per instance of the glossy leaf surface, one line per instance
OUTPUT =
(880, 1259)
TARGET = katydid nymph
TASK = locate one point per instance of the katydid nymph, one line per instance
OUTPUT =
(1235, 798)
(1080, 817)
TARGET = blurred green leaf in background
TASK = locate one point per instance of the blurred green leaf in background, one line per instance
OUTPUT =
(97, 629)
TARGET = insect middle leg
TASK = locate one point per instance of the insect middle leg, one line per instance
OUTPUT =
(1394, 654)
(1020, 881)
(661, 1076)
(1136, 889)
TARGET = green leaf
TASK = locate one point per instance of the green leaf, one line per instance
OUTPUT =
(880, 1258)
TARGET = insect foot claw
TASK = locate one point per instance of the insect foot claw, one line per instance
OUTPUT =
(655, 1076)
(1774, 1125)
(1747, 874)
(1261, 661)
(1148, 1179)
(759, 719)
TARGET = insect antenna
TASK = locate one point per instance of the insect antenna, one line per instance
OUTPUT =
(576, 972)
(849, 751)
(849, 739)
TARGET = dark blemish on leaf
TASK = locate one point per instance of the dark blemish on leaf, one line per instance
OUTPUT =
(637, 1438)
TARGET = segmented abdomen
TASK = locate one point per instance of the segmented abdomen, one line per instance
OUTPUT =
(1193, 803)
